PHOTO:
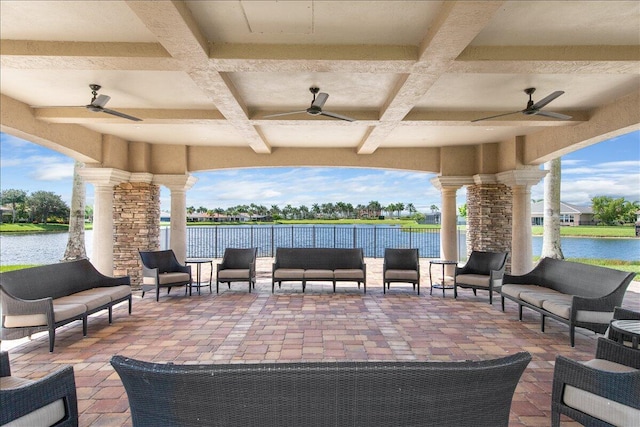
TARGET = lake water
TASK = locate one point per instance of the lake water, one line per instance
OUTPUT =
(49, 248)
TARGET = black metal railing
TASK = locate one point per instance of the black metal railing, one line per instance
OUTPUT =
(211, 241)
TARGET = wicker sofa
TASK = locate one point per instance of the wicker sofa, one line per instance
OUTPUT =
(47, 297)
(319, 264)
(573, 293)
(469, 393)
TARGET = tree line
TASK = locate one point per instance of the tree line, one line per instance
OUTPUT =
(338, 210)
(39, 206)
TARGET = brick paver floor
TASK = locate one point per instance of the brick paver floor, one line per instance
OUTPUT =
(235, 326)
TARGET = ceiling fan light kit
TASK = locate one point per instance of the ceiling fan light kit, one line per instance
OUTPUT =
(315, 109)
(534, 108)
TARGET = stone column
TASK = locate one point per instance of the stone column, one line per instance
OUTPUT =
(448, 187)
(103, 180)
(178, 184)
(520, 182)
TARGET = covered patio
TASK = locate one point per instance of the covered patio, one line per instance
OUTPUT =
(240, 327)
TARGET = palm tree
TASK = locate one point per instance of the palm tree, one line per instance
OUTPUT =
(75, 244)
(412, 209)
(551, 241)
(399, 208)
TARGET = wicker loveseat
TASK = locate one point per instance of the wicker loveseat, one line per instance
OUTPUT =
(319, 264)
(46, 297)
(470, 393)
(573, 293)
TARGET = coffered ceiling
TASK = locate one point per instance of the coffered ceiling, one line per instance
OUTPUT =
(412, 73)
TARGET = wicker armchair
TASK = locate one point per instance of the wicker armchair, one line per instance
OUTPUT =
(483, 270)
(238, 265)
(604, 391)
(47, 401)
(470, 393)
(161, 269)
(401, 265)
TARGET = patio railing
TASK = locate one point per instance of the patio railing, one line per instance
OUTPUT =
(211, 241)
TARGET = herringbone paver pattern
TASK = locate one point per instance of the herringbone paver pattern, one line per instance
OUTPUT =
(237, 327)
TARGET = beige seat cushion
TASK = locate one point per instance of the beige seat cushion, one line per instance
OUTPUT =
(288, 273)
(348, 274)
(46, 416)
(234, 274)
(167, 278)
(60, 312)
(473, 279)
(515, 290)
(408, 275)
(318, 274)
(598, 406)
(560, 306)
(539, 296)
(113, 292)
(91, 301)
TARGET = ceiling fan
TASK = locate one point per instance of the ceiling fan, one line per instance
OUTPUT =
(534, 108)
(99, 101)
(316, 107)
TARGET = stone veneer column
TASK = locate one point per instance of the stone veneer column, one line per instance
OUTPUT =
(520, 182)
(136, 209)
(103, 180)
(488, 216)
(178, 184)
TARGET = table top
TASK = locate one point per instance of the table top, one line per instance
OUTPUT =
(442, 261)
(198, 260)
(627, 326)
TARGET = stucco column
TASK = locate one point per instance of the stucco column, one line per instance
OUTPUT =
(520, 182)
(448, 187)
(178, 185)
(103, 180)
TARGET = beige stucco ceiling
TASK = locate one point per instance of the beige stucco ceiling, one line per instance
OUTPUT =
(413, 73)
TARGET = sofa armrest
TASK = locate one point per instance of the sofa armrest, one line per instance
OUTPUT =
(14, 306)
(5, 366)
(22, 400)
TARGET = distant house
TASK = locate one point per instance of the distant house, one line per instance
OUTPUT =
(569, 214)
(198, 217)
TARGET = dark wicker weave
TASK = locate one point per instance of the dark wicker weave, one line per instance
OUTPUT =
(400, 259)
(20, 401)
(593, 288)
(322, 394)
(237, 259)
(619, 387)
(32, 291)
(622, 314)
(155, 263)
(490, 264)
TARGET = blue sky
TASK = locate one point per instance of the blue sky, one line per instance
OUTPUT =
(610, 168)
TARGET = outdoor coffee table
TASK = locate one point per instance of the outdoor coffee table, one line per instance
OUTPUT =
(198, 262)
(443, 285)
(629, 328)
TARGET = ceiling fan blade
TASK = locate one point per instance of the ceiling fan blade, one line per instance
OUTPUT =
(284, 114)
(548, 99)
(119, 114)
(497, 115)
(320, 100)
(554, 115)
(337, 116)
(101, 101)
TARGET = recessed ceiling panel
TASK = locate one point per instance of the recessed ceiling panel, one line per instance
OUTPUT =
(554, 23)
(74, 21)
(127, 89)
(332, 22)
(324, 134)
(207, 135)
(438, 136)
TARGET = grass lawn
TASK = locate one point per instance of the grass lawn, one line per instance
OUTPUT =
(591, 231)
